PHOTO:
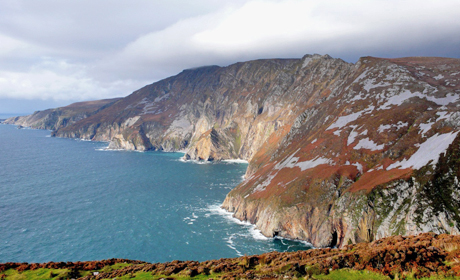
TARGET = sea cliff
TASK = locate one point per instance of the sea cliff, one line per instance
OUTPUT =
(338, 153)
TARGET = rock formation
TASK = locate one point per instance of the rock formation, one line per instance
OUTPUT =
(338, 152)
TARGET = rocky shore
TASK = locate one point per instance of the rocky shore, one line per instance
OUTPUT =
(427, 255)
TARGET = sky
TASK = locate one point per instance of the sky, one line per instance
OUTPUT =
(54, 52)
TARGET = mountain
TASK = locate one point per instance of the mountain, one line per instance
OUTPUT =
(53, 119)
(338, 153)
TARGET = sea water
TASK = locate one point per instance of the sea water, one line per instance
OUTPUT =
(73, 200)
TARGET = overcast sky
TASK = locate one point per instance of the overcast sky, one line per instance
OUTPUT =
(55, 52)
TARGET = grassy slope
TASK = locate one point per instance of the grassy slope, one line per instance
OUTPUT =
(426, 256)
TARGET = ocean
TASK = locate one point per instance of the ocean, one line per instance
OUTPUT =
(73, 200)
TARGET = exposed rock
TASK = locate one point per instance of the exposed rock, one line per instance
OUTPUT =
(337, 152)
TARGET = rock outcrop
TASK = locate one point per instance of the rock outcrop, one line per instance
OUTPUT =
(338, 152)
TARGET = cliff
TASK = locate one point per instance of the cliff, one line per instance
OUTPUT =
(53, 119)
(338, 153)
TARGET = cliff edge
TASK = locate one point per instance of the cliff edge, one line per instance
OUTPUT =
(338, 153)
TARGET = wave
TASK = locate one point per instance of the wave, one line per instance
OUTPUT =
(82, 139)
(236, 161)
(231, 244)
(194, 161)
(252, 229)
(117, 150)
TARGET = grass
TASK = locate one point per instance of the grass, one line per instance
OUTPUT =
(38, 274)
(116, 266)
(46, 273)
(349, 274)
(341, 274)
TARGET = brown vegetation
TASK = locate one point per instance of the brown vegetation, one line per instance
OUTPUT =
(418, 256)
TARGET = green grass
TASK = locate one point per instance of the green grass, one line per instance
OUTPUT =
(38, 274)
(349, 274)
(148, 275)
(436, 277)
(116, 266)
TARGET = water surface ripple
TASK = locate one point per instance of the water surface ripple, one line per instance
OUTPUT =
(70, 200)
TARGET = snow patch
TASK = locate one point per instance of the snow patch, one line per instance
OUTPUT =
(369, 84)
(399, 125)
(359, 166)
(344, 120)
(368, 144)
(405, 95)
(292, 162)
(363, 75)
(425, 127)
(443, 115)
(353, 134)
(352, 137)
(428, 151)
(304, 165)
(438, 77)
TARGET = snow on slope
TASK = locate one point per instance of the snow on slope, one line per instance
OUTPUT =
(428, 151)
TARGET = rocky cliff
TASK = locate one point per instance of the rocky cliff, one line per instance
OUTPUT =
(339, 153)
(54, 119)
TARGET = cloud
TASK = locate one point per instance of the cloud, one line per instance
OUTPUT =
(292, 28)
(64, 50)
(59, 80)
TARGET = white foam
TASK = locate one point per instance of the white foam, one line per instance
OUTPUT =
(217, 210)
(257, 234)
(252, 229)
(230, 244)
(235, 161)
(106, 149)
(194, 161)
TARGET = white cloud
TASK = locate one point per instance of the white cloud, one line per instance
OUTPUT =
(58, 80)
(97, 49)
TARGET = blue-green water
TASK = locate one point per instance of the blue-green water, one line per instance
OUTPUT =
(70, 200)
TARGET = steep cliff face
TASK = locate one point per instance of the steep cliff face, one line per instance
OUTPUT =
(215, 112)
(53, 119)
(338, 152)
(367, 162)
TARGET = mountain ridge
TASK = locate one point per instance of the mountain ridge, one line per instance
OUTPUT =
(338, 152)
